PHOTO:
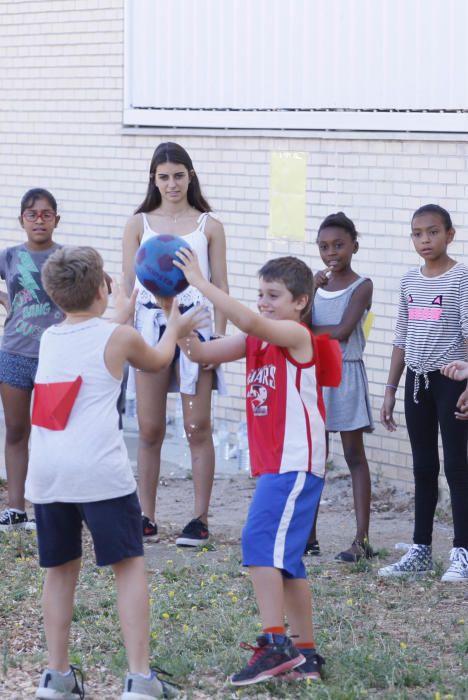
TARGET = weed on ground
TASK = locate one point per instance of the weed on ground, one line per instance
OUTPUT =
(382, 638)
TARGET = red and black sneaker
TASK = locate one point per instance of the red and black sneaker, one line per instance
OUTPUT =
(150, 529)
(195, 534)
(311, 668)
(274, 654)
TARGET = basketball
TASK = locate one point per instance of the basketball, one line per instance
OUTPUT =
(154, 268)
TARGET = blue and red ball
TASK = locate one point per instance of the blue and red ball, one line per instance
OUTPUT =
(155, 269)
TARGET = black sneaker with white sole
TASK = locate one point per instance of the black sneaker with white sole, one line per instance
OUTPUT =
(13, 519)
(195, 534)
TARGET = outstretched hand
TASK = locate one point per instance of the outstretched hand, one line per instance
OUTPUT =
(458, 370)
(124, 305)
(187, 261)
(185, 323)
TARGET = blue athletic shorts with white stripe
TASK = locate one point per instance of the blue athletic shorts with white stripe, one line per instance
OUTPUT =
(279, 522)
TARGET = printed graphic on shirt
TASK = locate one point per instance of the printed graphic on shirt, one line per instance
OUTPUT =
(426, 313)
(259, 382)
(29, 300)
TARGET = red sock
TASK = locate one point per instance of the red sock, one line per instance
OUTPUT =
(274, 630)
(305, 645)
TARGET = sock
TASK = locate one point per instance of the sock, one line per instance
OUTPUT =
(65, 674)
(305, 647)
(274, 630)
(17, 510)
(147, 677)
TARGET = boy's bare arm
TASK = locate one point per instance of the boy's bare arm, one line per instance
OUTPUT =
(287, 334)
(127, 345)
(213, 351)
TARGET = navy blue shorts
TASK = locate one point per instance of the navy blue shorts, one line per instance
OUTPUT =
(114, 524)
(17, 370)
(279, 522)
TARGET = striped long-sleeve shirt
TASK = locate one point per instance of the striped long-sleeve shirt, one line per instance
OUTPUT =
(432, 323)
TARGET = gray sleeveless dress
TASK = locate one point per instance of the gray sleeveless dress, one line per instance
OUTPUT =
(347, 406)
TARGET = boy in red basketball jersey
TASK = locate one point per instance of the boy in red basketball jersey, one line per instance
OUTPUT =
(286, 429)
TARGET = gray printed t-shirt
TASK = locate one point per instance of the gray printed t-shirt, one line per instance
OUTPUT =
(32, 310)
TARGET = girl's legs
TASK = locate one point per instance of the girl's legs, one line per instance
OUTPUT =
(422, 426)
(197, 424)
(151, 390)
(57, 608)
(454, 441)
(133, 605)
(16, 406)
(355, 456)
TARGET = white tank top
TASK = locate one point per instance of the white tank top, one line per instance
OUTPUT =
(198, 241)
(88, 461)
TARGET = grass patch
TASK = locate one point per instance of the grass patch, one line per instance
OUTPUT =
(382, 638)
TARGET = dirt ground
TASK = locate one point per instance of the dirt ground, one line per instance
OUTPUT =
(391, 522)
(391, 516)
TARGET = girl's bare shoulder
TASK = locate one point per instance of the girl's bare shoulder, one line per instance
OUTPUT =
(214, 227)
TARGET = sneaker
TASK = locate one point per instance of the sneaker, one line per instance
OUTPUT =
(458, 569)
(150, 529)
(311, 668)
(137, 687)
(416, 561)
(275, 654)
(12, 519)
(194, 534)
(312, 549)
(358, 550)
(55, 686)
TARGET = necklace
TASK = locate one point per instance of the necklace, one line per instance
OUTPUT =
(177, 216)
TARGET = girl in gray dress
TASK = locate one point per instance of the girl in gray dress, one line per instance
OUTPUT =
(341, 304)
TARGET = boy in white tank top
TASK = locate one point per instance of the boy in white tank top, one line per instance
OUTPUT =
(72, 480)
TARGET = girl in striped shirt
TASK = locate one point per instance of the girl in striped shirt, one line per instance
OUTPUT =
(431, 331)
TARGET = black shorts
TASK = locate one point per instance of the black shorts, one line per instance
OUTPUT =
(114, 524)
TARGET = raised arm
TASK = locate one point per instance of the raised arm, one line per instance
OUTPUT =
(130, 244)
(287, 334)
(360, 300)
(127, 345)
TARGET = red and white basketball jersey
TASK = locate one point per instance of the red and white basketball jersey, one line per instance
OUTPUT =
(285, 412)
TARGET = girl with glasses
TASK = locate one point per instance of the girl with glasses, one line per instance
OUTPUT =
(29, 312)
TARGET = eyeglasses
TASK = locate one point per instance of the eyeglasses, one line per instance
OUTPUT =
(33, 215)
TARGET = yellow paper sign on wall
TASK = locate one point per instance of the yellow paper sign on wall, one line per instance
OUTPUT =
(287, 195)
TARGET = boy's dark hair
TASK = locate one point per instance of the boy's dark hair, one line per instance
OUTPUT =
(434, 209)
(339, 220)
(72, 276)
(170, 152)
(29, 199)
(296, 276)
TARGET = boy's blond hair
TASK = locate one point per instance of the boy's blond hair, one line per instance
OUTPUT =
(72, 276)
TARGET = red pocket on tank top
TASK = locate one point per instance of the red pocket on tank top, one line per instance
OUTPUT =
(53, 403)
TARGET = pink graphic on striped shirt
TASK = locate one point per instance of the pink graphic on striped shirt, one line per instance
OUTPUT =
(425, 314)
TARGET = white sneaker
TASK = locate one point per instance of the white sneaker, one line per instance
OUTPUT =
(416, 561)
(458, 569)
